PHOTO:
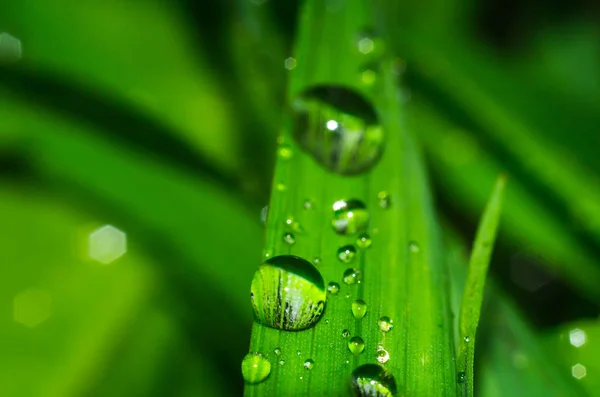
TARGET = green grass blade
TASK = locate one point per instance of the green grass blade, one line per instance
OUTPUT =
(473, 293)
(404, 276)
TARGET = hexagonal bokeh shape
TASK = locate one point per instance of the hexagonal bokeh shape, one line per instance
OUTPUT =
(366, 45)
(289, 63)
(32, 307)
(10, 48)
(577, 337)
(107, 244)
(578, 371)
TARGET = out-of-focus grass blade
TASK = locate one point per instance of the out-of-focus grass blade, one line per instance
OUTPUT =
(474, 288)
(462, 165)
(403, 274)
(510, 359)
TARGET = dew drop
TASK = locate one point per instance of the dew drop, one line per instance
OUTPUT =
(363, 241)
(356, 345)
(309, 364)
(461, 377)
(345, 334)
(351, 276)
(289, 238)
(346, 254)
(339, 128)
(359, 308)
(288, 293)
(467, 339)
(373, 381)
(255, 368)
(316, 260)
(281, 362)
(382, 355)
(298, 352)
(277, 351)
(385, 324)
(413, 246)
(333, 288)
(285, 151)
(308, 204)
(384, 200)
(349, 217)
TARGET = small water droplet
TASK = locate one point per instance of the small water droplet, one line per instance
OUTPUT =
(385, 324)
(298, 352)
(345, 334)
(461, 377)
(351, 276)
(289, 238)
(384, 200)
(413, 246)
(288, 293)
(382, 355)
(308, 204)
(309, 364)
(467, 339)
(285, 151)
(347, 253)
(264, 212)
(281, 362)
(277, 351)
(349, 217)
(255, 368)
(316, 260)
(291, 223)
(333, 288)
(373, 380)
(327, 321)
(363, 241)
(359, 308)
(356, 345)
(339, 128)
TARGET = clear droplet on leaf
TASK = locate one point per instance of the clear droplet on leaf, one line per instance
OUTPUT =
(333, 288)
(289, 238)
(288, 293)
(255, 368)
(349, 217)
(309, 364)
(359, 308)
(382, 355)
(385, 324)
(363, 241)
(384, 200)
(371, 380)
(347, 253)
(351, 276)
(356, 345)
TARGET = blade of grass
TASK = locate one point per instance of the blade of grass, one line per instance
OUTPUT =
(403, 274)
(470, 309)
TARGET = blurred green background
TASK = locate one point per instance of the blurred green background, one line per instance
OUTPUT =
(137, 143)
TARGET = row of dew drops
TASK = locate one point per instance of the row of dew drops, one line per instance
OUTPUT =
(341, 131)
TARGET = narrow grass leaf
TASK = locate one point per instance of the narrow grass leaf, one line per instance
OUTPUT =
(473, 293)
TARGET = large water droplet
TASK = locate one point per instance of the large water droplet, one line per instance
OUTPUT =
(333, 288)
(371, 380)
(359, 308)
(309, 364)
(351, 276)
(339, 128)
(347, 253)
(288, 293)
(356, 345)
(363, 241)
(349, 217)
(255, 368)
(385, 324)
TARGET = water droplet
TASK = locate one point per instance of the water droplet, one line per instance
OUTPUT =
(382, 355)
(288, 293)
(461, 377)
(281, 362)
(289, 238)
(277, 351)
(280, 187)
(309, 364)
(356, 345)
(255, 368)
(384, 200)
(349, 217)
(298, 352)
(413, 246)
(308, 204)
(363, 241)
(333, 288)
(327, 321)
(291, 223)
(359, 308)
(316, 260)
(373, 380)
(351, 276)
(264, 212)
(345, 334)
(385, 324)
(346, 254)
(285, 151)
(467, 339)
(339, 128)
(290, 63)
